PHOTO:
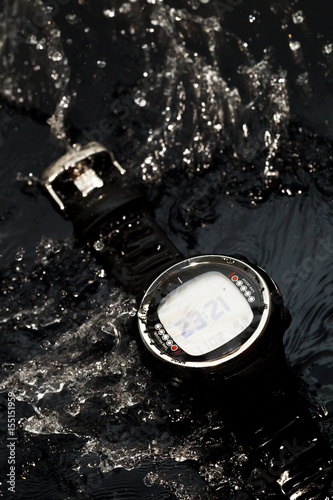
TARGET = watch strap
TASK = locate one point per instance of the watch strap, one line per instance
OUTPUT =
(132, 246)
(291, 456)
(89, 187)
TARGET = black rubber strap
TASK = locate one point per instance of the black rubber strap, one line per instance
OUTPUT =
(92, 190)
(287, 455)
(291, 457)
(132, 246)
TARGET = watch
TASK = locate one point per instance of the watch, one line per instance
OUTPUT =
(210, 324)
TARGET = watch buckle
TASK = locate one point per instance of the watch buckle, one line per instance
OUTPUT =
(83, 176)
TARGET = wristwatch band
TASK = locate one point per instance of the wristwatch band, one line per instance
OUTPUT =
(132, 246)
(288, 457)
(291, 456)
(90, 189)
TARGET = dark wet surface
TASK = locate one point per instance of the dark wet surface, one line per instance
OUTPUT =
(226, 125)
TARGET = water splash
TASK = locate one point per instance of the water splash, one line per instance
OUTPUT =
(198, 110)
(35, 68)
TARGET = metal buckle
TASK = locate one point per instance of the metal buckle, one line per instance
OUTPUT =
(84, 177)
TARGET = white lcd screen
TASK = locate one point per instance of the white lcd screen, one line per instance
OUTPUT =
(204, 313)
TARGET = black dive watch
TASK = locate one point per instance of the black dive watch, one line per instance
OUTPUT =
(208, 321)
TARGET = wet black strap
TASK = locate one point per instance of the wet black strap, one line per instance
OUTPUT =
(291, 457)
(132, 246)
(109, 213)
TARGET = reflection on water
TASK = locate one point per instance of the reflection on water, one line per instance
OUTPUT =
(214, 131)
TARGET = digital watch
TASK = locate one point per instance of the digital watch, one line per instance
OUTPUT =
(205, 318)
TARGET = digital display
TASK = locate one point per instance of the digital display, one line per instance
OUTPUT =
(205, 313)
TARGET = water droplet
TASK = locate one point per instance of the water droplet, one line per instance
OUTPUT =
(98, 245)
(150, 479)
(33, 39)
(328, 48)
(55, 33)
(252, 18)
(109, 12)
(19, 254)
(71, 18)
(101, 64)
(54, 55)
(195, 4)
(140, 101)
(64, 103)
(294, 45)
(56, 248)
(303, 79)
(125, 8)
(284, 24)
(298, 17)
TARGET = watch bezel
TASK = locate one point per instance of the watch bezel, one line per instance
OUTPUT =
(147, 304)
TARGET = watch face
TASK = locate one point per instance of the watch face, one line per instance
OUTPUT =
(204, 311)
